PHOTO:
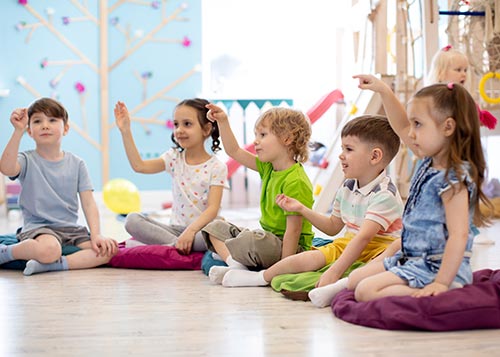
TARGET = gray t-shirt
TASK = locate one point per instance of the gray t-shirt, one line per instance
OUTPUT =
(49, 195)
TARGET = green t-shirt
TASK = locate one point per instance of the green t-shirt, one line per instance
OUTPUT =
(294, 183)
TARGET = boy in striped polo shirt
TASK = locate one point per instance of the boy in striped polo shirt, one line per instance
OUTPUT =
(367, 205)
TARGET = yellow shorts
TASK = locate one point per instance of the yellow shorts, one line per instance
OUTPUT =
(333, 250)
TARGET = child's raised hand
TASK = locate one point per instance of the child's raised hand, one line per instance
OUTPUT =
(367, 81)
(19, 118)
(122, 116)
(287, 203)
(215, 113)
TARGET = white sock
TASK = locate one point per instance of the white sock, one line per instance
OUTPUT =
(34, 266)
(237, 277)
(233, 264)
(323, 296)
(216, 273)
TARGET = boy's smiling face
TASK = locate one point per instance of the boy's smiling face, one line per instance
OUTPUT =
(356, 159)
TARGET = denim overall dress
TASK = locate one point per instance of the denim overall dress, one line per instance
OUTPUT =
(424, 233)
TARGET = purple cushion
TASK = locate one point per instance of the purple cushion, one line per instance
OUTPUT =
(475, 306)
(155, 257)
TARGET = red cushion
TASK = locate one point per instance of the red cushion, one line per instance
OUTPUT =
(475, 306)
(155, 257)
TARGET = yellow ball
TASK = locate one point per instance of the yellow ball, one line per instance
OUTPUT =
(121, 196)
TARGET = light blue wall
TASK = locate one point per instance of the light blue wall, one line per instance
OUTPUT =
(167, 61)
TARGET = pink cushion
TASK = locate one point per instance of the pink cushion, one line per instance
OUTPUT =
(475, 306)
(155, 257)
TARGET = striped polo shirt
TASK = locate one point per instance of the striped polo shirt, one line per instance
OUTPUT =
(378, 201)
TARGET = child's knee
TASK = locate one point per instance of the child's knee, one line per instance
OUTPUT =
(364, 290)
(354, 278)
(360, 292)
(133, 221)
(48, 251)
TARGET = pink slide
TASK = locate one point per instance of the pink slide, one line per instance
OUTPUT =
(314, 114)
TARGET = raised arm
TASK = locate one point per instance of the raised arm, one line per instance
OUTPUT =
(394, 110)
(8, 163)
(231, 146)
(122, 119)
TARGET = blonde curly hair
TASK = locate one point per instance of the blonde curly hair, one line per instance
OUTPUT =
(292, 127)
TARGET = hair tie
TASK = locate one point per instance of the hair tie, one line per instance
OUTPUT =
(446, 48)
(450, 85)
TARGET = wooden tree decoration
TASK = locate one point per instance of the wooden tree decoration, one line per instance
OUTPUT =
(134, 41)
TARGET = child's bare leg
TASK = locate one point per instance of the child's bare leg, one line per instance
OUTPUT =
(86, 258)
(298, 263)
(381, 285)
(372, 268)
(220, 248)
(83, 259)
(310, 260)
(217, 273)
(45, 248)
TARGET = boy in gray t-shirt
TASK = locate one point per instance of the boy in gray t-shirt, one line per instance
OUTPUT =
(51, 180)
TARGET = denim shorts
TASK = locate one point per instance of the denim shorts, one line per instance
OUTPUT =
(421, 271)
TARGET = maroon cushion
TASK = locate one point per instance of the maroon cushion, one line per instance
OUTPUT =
(155, 257)
(475, 306)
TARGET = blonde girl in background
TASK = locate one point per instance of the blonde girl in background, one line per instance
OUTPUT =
(451, 65)
(198, 177)
(448, 65)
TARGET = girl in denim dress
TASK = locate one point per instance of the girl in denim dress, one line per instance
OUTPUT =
(442, 127)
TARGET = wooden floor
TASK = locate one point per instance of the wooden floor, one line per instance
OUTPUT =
(117, 312)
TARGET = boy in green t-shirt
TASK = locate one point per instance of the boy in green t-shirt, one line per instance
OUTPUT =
(281, 146)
